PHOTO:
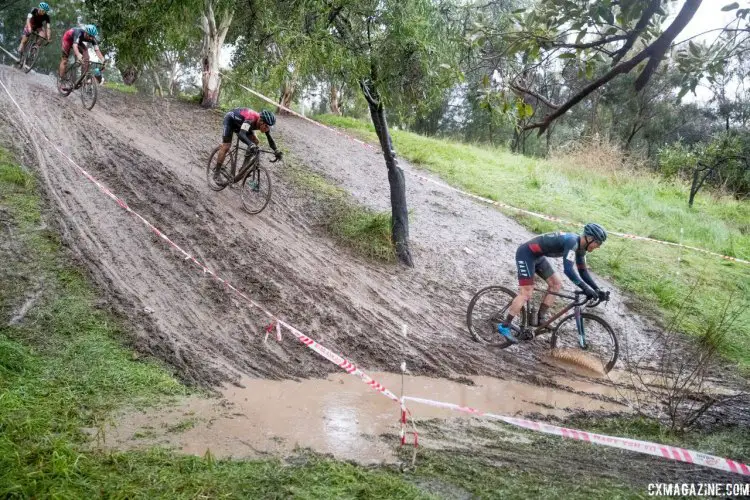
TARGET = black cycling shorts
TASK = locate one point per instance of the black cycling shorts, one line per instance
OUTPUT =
(527, 263)
(229, 129)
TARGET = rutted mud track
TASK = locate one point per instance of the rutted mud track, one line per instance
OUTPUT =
(152, 154)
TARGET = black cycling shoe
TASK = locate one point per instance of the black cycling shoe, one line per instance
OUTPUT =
(221, 177)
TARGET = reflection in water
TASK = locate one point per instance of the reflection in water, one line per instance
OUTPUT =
(337, 415)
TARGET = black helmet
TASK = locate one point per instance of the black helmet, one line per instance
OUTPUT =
(596, 231)
(268, 118)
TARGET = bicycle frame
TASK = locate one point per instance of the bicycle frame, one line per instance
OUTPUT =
(84, 74)
(249, 163)
(575, 305)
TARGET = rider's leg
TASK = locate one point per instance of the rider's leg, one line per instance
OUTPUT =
(24, 39)
(226, 140)
(85, 66)
(554, 284)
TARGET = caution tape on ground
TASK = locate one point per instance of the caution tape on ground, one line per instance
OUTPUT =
(645, 447)
(346, 365)
(487, 200)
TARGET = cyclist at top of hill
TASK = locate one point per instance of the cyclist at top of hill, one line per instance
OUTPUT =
(37, 21)
(244, 120)
(531, 258)
(77, 38)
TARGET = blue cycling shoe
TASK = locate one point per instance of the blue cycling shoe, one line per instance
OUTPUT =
(507, 333)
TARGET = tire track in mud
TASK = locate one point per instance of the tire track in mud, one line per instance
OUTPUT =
(152, 153)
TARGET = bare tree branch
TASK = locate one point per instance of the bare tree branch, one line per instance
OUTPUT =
(541, 98)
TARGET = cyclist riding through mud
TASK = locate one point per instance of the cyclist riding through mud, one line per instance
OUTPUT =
(76, 39)
(531, 258)
(37, 21)
(244, 122)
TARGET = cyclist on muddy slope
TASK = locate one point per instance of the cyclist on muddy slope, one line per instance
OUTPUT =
(531, 258)
(244, 120)
(37, 21)
(77, 38)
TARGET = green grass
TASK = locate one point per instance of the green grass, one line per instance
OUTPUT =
(365, 231)
(668, 281)
(120, 87)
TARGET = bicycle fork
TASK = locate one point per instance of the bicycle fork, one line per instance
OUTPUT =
(581, 331)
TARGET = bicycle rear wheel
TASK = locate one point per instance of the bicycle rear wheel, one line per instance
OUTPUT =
(256, 190)
(487, 309)
(89, 92)
(65, 84)
(219, 180)
(598, 344)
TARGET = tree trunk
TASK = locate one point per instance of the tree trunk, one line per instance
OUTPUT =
(287, 92)
(129, 74)
(157, 80)
(173, 73)
(215, 27)
(333, 100)
(399, 211)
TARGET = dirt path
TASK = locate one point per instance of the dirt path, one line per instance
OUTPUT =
(152, 152)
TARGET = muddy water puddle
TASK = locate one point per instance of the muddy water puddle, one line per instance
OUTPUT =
(338, 415)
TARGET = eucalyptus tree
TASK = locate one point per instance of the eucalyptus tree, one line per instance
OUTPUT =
(603, 39)
(144, 31)
(394, 51)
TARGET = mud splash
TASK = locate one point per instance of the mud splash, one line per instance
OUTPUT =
(336, 415)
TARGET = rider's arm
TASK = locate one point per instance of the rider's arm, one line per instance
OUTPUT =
(271, 142)
(244, 137)
(28, 22)
(99, 53)
(584, 272)
(569, 263)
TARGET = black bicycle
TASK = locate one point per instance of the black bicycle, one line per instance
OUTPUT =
(31, 50)
(575, 332)
(254, 178)
(87, 82)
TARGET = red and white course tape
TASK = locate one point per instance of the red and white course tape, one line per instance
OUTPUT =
(487, 200)
(645, 447)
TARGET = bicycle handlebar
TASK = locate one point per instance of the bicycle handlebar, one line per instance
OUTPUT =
(268, 151)
(579, 298)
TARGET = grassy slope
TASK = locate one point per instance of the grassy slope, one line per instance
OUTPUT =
(63, 369)
(684, 284)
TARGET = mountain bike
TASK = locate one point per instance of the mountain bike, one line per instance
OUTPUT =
(578, 331)
(87, 82)
(30, 52)
(254, 178)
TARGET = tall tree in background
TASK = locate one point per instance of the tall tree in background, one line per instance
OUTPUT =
(215, 20)
(604, 39)
(393, 51)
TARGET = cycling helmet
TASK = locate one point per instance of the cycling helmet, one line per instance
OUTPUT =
(268, 118)
(596, 231)
(44, 6)
(91, 30)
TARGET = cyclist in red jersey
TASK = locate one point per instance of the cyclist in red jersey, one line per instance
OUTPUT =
(76, 38)
(244, 120)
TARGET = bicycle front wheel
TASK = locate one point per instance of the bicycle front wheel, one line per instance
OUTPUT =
(89, 92)
(256, 190)
(487, 309)
(595, 342)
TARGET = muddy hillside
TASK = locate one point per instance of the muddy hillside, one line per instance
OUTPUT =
(152, 153)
